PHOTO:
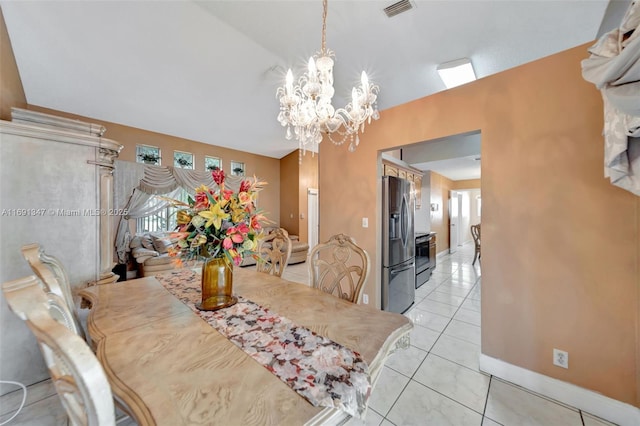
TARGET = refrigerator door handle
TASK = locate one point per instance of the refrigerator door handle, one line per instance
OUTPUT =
(404, 221)
(397, 271)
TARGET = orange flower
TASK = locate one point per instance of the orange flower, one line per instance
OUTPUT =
(178, 235)
(237, 259)
(244, 198)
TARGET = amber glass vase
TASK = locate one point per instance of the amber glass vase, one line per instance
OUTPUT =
(217, 284)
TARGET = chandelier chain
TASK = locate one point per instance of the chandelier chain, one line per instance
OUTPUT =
(324, 27)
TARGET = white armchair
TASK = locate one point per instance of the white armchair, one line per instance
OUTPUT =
(150, 251)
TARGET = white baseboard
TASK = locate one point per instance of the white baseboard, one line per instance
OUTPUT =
(575, 396)
(442, 253)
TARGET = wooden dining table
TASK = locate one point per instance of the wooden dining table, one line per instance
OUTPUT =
(170, 367)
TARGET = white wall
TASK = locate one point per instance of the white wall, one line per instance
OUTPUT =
(469, 214)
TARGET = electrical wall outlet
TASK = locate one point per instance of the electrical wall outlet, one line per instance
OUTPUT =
(365, 222)
(365, 299)
(560, 358)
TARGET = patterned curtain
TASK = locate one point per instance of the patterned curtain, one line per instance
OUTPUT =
(614, 67)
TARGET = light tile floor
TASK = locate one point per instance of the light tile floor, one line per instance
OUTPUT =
(436, 381)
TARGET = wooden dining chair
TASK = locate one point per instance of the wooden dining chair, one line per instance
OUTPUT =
(55, 280)
(274, 251)
(75, 371)
(339, 267)
(475, 233)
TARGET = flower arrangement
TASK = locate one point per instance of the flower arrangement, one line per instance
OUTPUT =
(183, 162)
(219, 223)
(149, 157)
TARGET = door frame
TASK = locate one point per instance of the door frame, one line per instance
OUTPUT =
(454, 220)
(313, 216)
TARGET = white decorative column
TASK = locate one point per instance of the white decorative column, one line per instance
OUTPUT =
(105, 165)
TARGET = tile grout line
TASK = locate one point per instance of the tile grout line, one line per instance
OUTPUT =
(441, 357)
(429, 352)
(539, 395)
(410, 378)
(486, 401)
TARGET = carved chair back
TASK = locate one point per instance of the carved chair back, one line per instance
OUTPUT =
(475, 233)
(339, 267)
(274, 251)
(78, 377)
(55, 280)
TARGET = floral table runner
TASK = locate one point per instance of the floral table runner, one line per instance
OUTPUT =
(322, 371)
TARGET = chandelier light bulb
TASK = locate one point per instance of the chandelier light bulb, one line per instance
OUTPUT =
(306, 105)
(289, 86)
(313, 72)
(354, 100)
(365, 82)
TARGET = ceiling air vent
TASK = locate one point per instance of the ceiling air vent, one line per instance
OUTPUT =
(398, 8)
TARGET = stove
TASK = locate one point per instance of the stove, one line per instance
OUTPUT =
(425, 256)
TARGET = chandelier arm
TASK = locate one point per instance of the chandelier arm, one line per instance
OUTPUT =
(350, 121)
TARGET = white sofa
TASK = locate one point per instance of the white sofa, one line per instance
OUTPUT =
(150, 253)
(299, 252)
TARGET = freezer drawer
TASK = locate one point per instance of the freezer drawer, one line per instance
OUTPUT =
(422, 277)
(398, 287)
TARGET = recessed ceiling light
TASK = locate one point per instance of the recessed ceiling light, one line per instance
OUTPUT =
(456, 73)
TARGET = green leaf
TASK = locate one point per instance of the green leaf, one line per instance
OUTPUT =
(211, 199)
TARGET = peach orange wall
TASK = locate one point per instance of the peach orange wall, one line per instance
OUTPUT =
(308, 179)
(466, 184)
(440, 187)
(298, 173)
(289, 193)
(11, 90)
(265, 168)
(561, 245)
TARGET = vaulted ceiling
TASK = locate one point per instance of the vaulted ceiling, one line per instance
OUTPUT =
(209, 70)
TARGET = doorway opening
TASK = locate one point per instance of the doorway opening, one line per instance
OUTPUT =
(313, 215)
(451, 188)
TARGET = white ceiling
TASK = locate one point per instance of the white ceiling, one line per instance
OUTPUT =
(456, 157)
(208, 71)
(459, 168)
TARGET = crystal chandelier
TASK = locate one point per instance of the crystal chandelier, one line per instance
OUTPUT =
(306, 110)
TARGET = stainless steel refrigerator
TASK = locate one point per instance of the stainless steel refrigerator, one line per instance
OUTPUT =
(398, 245)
